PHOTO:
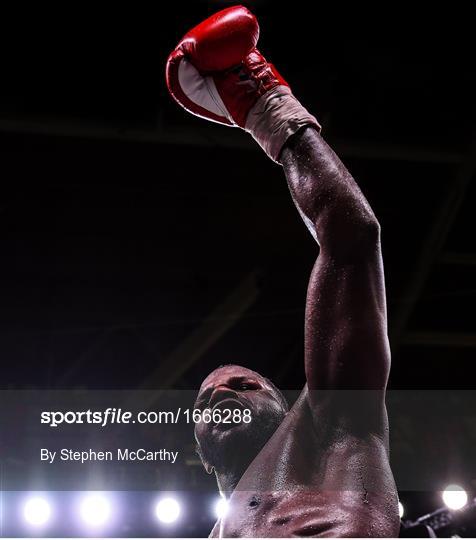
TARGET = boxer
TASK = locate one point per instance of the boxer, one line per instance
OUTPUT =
(322, 467)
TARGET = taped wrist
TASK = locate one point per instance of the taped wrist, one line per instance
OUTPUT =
(275, 117)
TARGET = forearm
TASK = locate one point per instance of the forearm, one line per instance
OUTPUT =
(328, 198)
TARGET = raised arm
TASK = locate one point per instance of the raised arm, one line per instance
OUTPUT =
(217, 73)
(346, 345)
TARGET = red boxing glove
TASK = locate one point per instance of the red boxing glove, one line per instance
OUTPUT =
(221, 41)
(217, 73)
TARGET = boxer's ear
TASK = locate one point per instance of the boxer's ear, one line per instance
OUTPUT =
(208, 467)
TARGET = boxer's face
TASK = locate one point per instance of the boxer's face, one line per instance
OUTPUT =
(240, 390)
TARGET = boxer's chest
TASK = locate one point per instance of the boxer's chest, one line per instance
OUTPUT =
(279, 514)
(294, 488)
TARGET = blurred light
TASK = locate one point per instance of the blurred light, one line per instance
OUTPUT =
(401, 510)
(455, 497)
(167, 510)
(37, 511)
(95, 509)
(221, 507)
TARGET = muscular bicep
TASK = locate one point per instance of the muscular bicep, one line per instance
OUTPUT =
(346, 344)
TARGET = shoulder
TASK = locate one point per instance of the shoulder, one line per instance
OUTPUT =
(341, 413)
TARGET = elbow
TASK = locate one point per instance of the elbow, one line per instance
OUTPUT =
(352, 238)
(368, 231)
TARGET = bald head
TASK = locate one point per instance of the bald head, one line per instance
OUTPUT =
(223, 445)
(241, 373)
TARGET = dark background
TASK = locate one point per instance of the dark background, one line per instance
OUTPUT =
(143, 247)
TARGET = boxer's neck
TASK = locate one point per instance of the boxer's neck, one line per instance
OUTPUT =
(228, 479)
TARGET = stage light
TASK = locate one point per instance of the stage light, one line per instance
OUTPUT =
(221, 507)
(37, 511)
(401, 510)
(95, 510)
(455, 497)
(167, 510)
